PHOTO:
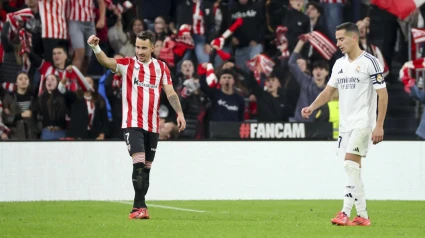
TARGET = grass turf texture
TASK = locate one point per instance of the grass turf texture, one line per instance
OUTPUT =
(271, 218)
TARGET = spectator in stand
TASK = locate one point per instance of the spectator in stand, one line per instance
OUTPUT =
(227, 105)
(200, 15)
(149, 10)
(247, 38)
(193, 102)
(50, 109)
(330, 113)
(123, 43)
(17, 113)
(160, 29)
(365, 44)
(272, 103)
(167, 130)
(59, 60)
(333, 10)
(296, 22)
(33, 27)
(110, 88)
(12, 62)
(54, 26)
(81, 25)
(89, 119)
(310, 86)
(158, 46)
(94, 67)
(317, 23)
(4, 130)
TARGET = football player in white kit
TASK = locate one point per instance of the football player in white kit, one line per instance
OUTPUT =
(358, 78)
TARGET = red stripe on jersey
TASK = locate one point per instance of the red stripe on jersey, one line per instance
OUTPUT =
(81, 10)
(152, 74)
(140, 97)
(129, 92)
(53, 18)
(198, 19)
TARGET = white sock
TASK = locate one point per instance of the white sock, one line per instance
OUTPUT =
(353, 176)
(360, 200)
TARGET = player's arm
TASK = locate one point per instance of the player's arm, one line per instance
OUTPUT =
(378, 132)
(323, 98)
(104, 60)
(382, 106)
(174, 100)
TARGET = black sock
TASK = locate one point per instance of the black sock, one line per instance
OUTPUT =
(138, 184)
(145, 177)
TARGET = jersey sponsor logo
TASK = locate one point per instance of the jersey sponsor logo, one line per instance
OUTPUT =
(142, 84)
(230, 108)
(348, 82)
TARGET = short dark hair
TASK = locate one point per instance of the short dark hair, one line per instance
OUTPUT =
(227, 71)
(316, 5)
(146, 35)
(321, 64)
(349, 27)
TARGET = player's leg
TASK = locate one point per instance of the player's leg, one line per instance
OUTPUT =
(151, 142)
(365, 142)
(359, 146)
(343, 217)
(135, 145)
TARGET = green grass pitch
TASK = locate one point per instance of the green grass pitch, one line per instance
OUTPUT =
(241, 218)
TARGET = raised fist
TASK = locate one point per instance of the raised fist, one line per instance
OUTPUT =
(93, 41)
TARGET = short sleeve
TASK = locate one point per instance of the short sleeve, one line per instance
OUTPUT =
(332, 81)
(121, 65)
(166, 76)
(376, 73)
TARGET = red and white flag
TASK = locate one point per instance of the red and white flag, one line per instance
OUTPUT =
(322, 44)
(418, 35)
(81, 80)
(260, 64)
(411, 65)
(399, 8)
(10, 87)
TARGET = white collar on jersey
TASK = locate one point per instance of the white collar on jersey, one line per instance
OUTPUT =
(346, 57)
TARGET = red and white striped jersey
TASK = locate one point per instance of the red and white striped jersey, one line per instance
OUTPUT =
(53, 19)
(46, 69)
(81, 10)
(141, 89)
(332, 1)
(198, 19)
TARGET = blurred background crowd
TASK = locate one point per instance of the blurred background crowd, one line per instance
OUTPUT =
(231, 61)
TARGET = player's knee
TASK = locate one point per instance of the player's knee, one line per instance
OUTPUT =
(148, 164)
(353, 157)
(139, 158)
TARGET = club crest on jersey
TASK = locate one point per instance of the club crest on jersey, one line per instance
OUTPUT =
(358, 69)
(379, 78)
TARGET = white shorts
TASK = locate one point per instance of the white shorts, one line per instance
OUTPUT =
(355, 142)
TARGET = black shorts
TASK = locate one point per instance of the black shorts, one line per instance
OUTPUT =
(139, 140)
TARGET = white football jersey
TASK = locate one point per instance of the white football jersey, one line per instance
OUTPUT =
(356, 83)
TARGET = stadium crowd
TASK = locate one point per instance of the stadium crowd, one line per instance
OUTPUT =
(231, 61)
